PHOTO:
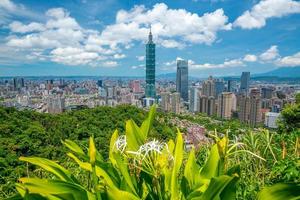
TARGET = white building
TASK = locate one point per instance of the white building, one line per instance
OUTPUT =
(271, 119)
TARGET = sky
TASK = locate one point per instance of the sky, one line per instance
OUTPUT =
(108, 37)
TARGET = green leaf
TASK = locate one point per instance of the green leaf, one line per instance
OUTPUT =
(51, 167)
(74, 147)
(222, 187)
(147, 124)
(178, 156)
(280, 191)
(211, 166)
(133, 136)
(113, 140)
(191, 170)
(56, 189)
(92, 151)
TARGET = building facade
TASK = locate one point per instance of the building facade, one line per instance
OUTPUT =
(245, 82)
(150, 68)
(182, 79)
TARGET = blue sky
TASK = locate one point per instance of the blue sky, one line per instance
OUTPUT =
(107, 37)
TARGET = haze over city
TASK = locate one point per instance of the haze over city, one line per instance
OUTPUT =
(107, 37)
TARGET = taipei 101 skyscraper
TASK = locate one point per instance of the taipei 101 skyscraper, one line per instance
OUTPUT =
(150, 67)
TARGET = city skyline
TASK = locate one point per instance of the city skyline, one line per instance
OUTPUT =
(107, 38)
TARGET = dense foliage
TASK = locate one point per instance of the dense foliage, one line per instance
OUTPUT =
(264, 158)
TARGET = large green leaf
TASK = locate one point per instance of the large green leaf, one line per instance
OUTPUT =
(92, 151)
(147, 124)
(280, 191)
(192, 170)
(133, 136)
(178, 156)
(113, 140)
(74, 147)
(211, 166)
(52, 167)
(220, 188)
(56, 189)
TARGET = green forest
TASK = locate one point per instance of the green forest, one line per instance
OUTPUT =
(87, 149)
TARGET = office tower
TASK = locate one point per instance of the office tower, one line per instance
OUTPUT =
(194, 99)
(208, 87)
(231, 86)
(135, 86)
(182, 79)
(266, 93)
(175, 102)
(100, 83)
(245, 82)
(255, 107)
(150, 67)
(18, 83)
(56, 104)
(219, 87)
(165, 101)
(271, 119)
(225, 102)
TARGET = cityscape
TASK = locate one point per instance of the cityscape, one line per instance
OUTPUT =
(106, 99)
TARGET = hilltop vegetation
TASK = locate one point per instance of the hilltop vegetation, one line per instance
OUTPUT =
(27, 133)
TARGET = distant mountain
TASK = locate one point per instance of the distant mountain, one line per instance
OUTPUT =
(292, 72)
(173, 76)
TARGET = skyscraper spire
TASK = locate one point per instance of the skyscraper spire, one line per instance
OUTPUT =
(150, 36)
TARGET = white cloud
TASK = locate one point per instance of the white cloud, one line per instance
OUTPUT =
(166, 24)
(74, 56)
(110, 64)
(270, 54)
(19, 27)
(140, 58)
(250, 58)
(289, 61)
(119, 56)
(8, 5)
(226, 64)
(265, 9)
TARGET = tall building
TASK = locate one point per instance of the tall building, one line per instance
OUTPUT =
(231, 86)
(207, 105)
(182, 79)
(250, 108)
(245, 82)
(175, 102)
(18, 83)
(209, 87)
(135, 86)
(266, 93)
(225, 102)
(165, 102)
(219, 87)
(150, 67)
(255, 107)
(194, 99)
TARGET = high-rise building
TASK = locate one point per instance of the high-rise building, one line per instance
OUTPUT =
(194, 99)
(231, 86)
(266, 93)
(219, 87)
(250, 108)
(150, 67)
(182, 79)
(255, 107)
(207, 105)
(245, 82)
(209, 87)
(100, 83)
(225, 102)
(165, 102)
(18, 83)
(175, 102)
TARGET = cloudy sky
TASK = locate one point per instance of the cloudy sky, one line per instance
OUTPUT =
(107, 37)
